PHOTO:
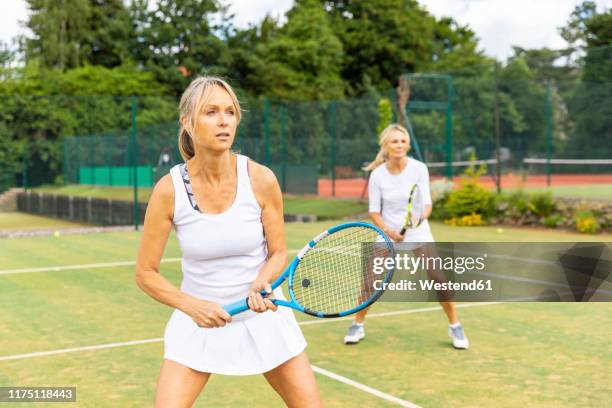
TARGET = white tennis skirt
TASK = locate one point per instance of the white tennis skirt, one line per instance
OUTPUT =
(243, 347)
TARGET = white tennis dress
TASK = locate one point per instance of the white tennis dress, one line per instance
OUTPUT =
(222, 255)
(388, 195)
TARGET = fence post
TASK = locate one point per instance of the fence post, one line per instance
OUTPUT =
(497, 134)
(266, 118)
(332, 131)
(549, 131)
(283, 148)
(26, 164)
(65, 165)
(449, 129)
(90, 141)
(134, 162)
(77, 164)
(109, 162)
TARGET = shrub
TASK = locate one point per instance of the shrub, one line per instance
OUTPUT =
(541, 204)
(587, 223)
(471, 220)
(553, 220)
(471, 198)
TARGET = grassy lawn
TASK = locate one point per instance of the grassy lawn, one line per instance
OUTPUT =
(530, 354)
(114, 193)
(591, 191)
(325, 208)
(21, 221)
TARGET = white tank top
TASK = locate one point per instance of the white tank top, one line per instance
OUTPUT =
(222, 253)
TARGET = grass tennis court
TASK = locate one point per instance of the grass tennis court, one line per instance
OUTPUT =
(22, 221)
(524, 354)
(586, 191)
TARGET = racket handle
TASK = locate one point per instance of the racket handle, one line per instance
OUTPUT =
(403, 231)
(242, 305)
(237, 307)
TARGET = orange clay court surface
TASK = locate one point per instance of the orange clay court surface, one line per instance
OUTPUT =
(354, 187)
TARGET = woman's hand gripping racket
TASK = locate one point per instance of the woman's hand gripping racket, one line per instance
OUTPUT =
(333, 274)
(416, 210)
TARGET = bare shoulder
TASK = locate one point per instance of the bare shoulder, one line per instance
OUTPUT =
(264, 183)
(162, 196)
(164, 187)
(261, 176)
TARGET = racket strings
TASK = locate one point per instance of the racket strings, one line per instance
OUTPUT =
(337, 275)
(415, 208)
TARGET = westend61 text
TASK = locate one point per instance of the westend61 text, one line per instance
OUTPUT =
(407, 285)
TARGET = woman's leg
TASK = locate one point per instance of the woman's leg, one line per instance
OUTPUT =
(429, 250)
(451, 311)
(361, 315)
(356, 331)
(178, 386)
(294, 381)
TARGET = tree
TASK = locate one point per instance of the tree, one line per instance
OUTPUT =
(41, 107)
(112, 34)
(7, 55)
(59, 29)
(575, 31)
(590, 106)
(303, 61)
(71, 33)
(383, 39)
(247, 54)
(177, 41)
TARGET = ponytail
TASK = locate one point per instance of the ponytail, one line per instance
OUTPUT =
(185, 144)
(380, 159)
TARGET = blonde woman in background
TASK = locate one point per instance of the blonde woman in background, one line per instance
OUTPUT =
(228, 215)
(393, 172)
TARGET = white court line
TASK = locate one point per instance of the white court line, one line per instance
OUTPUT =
(364, 387)
(82, 266)
(90, 266)
(158, 339)
(319, 370)
(77, 349)
(395, 313)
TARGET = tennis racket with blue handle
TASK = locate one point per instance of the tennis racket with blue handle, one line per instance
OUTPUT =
(333, 274)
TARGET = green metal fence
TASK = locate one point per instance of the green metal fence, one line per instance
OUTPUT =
(524, 126)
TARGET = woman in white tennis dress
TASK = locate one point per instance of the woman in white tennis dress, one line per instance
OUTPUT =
(227, 213)
(393, 172)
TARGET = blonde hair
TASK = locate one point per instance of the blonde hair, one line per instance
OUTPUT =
(197, 94)
(383, 139)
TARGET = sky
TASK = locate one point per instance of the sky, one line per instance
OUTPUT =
(499, 24)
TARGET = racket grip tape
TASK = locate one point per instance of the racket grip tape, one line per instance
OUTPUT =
(241, 305)
(237, 307)
(403, 231)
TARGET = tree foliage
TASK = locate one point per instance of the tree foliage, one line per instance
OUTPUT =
(85, 58)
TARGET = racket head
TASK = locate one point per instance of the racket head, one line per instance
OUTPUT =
(333, 275)
(415, 209)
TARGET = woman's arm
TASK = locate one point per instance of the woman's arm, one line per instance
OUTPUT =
(378, 221)
(270, 198)
(157, 226)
